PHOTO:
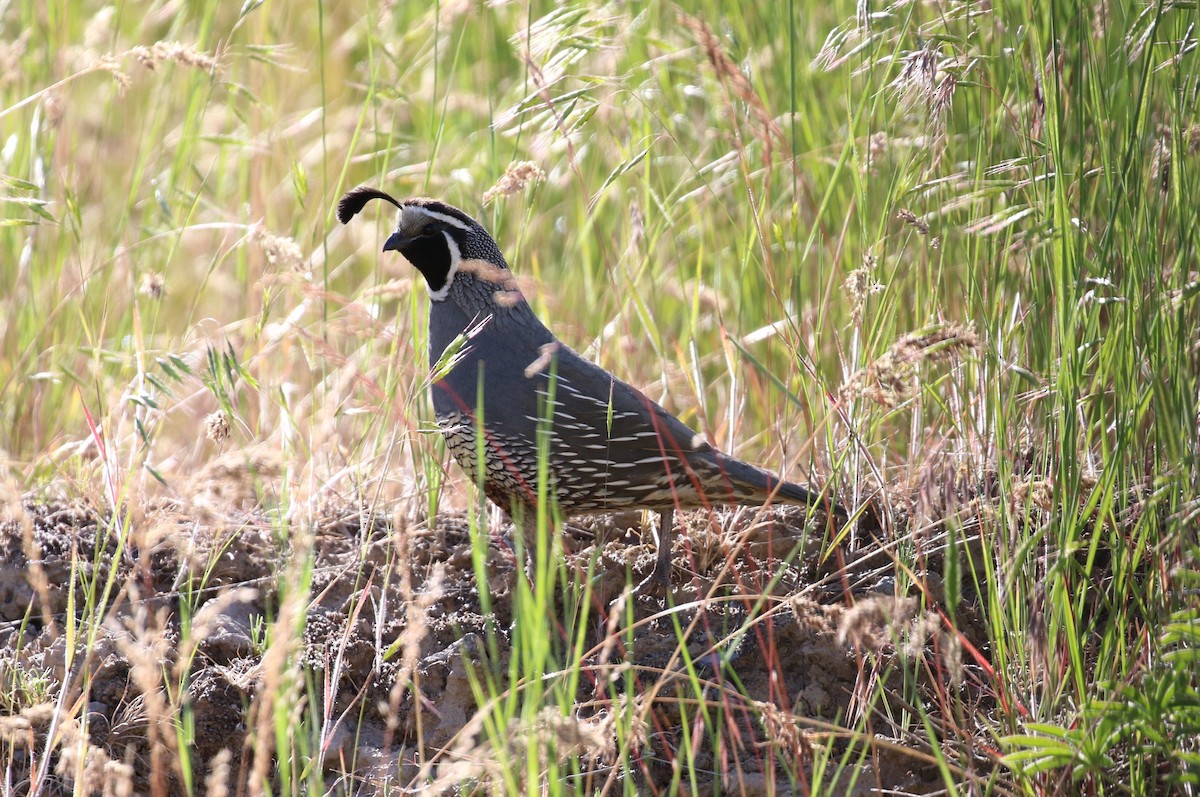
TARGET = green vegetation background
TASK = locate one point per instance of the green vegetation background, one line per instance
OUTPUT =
(940, 253)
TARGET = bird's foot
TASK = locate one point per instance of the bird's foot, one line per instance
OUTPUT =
(655, 582)
(659, 579)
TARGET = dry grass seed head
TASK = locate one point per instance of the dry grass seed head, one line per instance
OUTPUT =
(737, 82)
(1036, 492)
(887, 623)
(544, 359)
(468, 760)
(35, 573)
(220, 771)
(862, 14)
(12, 50)
(216, 426)
(1100, 16)
(842, 43)
(53, 106)
(782, 730)
(507, 299)
(277, 681)
(80, 762)
(860, 284)
(892, 379)
(416, 625)
(144, 643)
(152, 285)
(118, 779)
(878, 146)
(150, 58)
(867, 623)
(490, 273)
(174, 52)
(911, 219)
(99, 30)
(110, 64)
(635, 709)
(1160, 160)
(1163, 149)
(278, 250)
(942, 99)
(19, 729)
(915, 83)
(709, 540)
(571, 735)
(516, 178)
(918, 631)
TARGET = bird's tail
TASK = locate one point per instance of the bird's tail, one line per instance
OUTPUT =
(752, 484)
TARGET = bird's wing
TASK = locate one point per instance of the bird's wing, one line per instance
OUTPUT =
(624, 419)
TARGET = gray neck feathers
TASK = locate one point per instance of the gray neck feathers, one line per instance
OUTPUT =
(482, 294)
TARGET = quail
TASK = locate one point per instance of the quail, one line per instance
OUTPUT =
(609, 446)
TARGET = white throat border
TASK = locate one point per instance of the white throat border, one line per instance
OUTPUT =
(455, 259)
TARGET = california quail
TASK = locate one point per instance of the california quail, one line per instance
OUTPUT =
(610, 447)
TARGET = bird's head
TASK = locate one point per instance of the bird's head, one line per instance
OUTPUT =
(435, 237)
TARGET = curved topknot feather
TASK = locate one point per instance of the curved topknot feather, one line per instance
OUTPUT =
(354, 201)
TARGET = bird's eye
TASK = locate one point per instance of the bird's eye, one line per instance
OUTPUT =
(430, 229)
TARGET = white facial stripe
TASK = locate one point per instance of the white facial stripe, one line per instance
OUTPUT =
(453, 222)
(409, 211)
(455, 258)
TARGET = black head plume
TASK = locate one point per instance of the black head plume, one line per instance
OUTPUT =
(354, 200)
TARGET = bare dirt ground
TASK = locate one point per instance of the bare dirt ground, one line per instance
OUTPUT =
(393, 620)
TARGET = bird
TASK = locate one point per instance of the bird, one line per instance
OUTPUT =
(500, 371)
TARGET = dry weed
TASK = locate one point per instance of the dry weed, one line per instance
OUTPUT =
(220, 773)
(278, 250)
(516, 178)
(153, 285)
(893, 378)
(770, 134)
(88, 767)
(216, 426)
(782, 729)
(151, 58)
(860, 284)
(887, 623)
(144, 641)
(416, 625)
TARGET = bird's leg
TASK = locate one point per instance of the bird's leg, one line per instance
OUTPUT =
(529, 538)
(526, 526)
(661, 575)
(662, 567)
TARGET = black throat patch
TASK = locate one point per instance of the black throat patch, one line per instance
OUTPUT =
(430, 254)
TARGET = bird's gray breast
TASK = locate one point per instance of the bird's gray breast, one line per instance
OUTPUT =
(480, 358)
(484, 364)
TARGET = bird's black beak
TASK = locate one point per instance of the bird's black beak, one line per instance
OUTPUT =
(395, 242)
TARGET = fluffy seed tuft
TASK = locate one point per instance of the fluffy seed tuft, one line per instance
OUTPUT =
(175, 52)
(516, 178)
(860, 284)
(278, 249)
(152, 285)
(216, 426)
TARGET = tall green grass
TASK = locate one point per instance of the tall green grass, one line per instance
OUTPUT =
(942, 254)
